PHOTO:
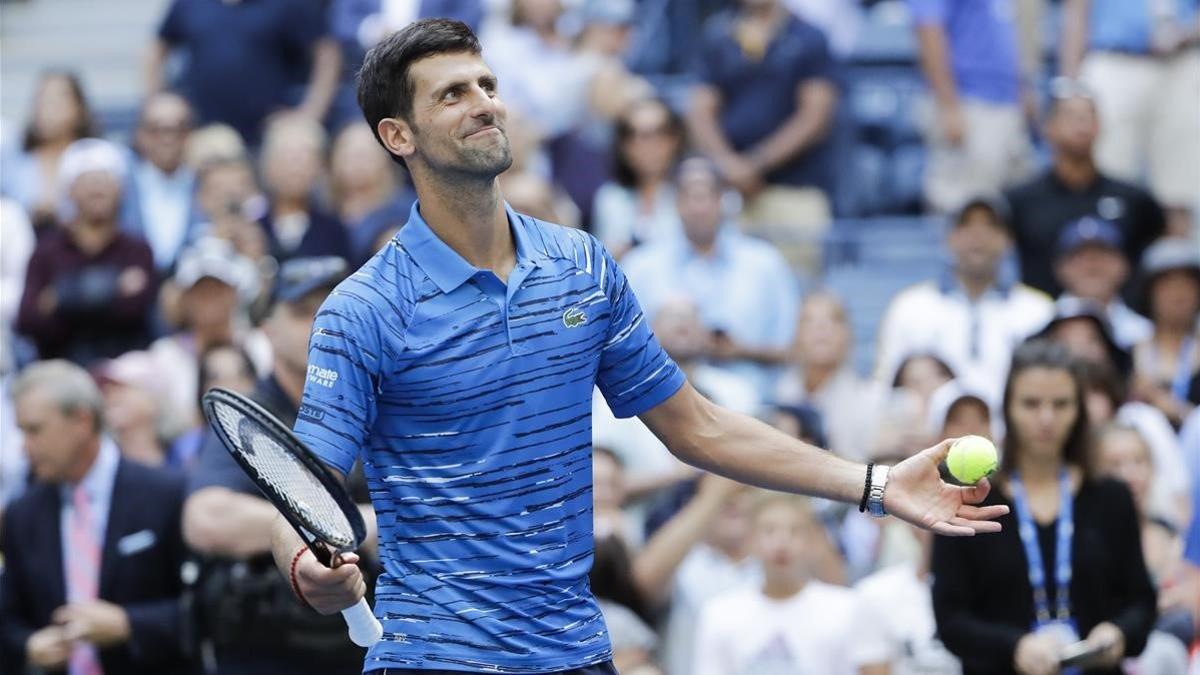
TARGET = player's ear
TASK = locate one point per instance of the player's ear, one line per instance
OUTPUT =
(397, 136)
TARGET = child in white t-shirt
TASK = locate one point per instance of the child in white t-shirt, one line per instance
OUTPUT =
(790, 624)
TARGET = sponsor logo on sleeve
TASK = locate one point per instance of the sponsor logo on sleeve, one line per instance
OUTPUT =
(325, 377)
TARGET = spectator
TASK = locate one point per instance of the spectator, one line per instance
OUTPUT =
(159, 193)
(1091, 266)
(1170, 489)
(1167, 362)
(822, 375)
(221, 365)
(753, 323)
(792, 622)
(611, 580)
(241, 65)
(894, 628)
(140, 416)
(1083, 328)
(292, 165)
(92, 551)
(581, 159)
(975, 129)
(60, 116)
(653, 475)
(1119, 452)
(956, 411)
(212, 143)
(216, 287)
(1073, 188)
(365, 187)
(231, 204)
(16, 246)
(251, 619)
(715, 561)
(638, 204)
(90, 287)
(1085, 576)
(1143, 61)
(972, 317)
(762, 111)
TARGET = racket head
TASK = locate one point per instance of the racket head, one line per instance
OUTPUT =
(300, 486)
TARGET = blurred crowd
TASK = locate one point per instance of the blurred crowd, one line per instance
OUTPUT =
(701, 141)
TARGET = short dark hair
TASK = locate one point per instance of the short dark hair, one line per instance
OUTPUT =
(384, 87)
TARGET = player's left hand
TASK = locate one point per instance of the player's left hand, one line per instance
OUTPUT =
(916, 493)
(98, 622)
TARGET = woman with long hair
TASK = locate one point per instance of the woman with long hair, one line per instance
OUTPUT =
(1068, 564)
(60, 116)
(638, 204)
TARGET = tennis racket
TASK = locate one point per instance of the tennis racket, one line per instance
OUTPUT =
(298, 484)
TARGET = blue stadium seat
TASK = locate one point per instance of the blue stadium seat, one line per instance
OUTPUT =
(905, 176)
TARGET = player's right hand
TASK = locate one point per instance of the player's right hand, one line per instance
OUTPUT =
(330, 589)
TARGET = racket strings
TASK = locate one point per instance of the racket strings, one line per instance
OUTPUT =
(287, 477)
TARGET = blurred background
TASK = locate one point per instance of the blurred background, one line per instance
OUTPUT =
(840, 216)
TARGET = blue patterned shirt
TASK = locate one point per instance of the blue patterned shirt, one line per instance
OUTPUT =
(469, 402)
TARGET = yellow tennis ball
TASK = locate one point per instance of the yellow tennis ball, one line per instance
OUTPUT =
(971, 458)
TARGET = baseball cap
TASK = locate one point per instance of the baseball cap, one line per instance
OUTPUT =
(1166, 255)
(215, 258)
(1089, 231)
(91, 154)
(300, 276)
(1171, 254)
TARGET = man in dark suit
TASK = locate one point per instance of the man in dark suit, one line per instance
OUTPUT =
(92, 551)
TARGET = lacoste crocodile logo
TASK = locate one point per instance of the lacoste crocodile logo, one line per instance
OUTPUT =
(574, 318)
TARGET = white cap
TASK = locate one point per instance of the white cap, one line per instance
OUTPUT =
(216, 258)
(90, 154)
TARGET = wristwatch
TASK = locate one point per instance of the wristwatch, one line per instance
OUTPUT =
(875, 491)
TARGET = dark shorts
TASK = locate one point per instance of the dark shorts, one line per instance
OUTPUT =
(605, 668)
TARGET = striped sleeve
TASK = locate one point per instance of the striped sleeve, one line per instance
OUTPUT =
(338, 407)
(635, 372)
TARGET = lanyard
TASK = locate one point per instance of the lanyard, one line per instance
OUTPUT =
(1033, 553)
(1183, 369)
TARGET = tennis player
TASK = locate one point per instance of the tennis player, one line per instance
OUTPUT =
(458, 364)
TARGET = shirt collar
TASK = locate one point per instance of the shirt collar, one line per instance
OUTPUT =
(444, 265)
(100, 476)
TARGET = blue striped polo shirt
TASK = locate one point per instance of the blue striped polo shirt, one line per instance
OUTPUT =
(469, 402)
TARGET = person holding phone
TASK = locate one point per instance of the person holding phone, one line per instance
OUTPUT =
(1067, 564)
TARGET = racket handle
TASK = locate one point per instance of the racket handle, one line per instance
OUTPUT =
(365, 629)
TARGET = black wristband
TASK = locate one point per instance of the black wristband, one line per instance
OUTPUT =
(862, 505)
